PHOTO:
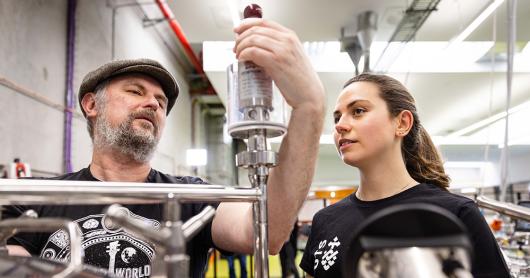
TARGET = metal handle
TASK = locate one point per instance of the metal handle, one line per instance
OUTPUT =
(51, 224)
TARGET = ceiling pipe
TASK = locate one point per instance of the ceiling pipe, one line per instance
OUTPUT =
(168, 14)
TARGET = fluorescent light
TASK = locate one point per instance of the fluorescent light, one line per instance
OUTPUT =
(325, 56)
(480, 18)
(196, 157)
(489, 120)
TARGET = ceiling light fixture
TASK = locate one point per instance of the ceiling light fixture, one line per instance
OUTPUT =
(478, 20)
(489, 120)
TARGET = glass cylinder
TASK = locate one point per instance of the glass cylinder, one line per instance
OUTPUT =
(254, 102)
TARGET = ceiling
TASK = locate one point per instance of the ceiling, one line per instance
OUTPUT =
(447, 100)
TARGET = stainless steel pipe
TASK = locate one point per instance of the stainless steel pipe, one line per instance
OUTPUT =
(25, 192)
(512, 210)
(50, 224)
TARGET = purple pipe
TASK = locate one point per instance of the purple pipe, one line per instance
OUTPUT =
(72, 4)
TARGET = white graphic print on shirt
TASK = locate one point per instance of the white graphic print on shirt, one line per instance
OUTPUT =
(325, 255)
(106, 245)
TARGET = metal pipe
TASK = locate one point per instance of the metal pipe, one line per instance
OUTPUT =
(261, 249)
(14, 191)
(505, 152)
(51, 224)
(512, 210)
(41, 98)
(191, 227)
(69, 99)
(175, 26)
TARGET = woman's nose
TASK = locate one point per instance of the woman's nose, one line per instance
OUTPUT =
(342, 127)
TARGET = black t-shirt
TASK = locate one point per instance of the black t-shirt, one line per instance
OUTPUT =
(109, 247)
(333, 225)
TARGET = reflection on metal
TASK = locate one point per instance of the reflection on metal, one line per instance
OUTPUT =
(397, 263)
(508, 209)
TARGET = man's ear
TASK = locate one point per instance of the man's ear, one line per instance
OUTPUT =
(405, 119)
(89, 104)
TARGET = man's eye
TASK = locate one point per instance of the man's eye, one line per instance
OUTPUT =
(136, 92)
(336, 119)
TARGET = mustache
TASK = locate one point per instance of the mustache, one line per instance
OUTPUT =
(146, 114)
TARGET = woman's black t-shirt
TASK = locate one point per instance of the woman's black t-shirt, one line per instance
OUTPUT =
(333, 225)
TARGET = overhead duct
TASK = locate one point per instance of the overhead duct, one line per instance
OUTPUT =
(352, 46)
(415, 16)
(366, 28)
(358, 44)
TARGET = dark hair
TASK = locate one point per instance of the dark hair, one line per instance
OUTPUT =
(421, 157)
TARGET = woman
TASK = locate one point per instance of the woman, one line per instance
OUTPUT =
(377, 130)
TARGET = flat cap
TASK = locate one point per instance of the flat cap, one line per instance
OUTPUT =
(119, 67)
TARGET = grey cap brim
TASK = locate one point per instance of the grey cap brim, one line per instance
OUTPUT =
(120, 67)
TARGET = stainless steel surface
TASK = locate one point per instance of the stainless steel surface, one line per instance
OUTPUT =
(197, 222)
(14, 191)
(51, 224)
(413, 262)
(512, 210)
(243, 159)
(261, 239)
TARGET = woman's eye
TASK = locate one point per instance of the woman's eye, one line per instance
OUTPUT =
(336, 119)
(358, 111)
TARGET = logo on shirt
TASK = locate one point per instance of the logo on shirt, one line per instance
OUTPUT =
(106, 245)
(326, 255)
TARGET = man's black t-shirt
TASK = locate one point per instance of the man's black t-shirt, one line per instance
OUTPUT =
(105, 245)
(333, 225)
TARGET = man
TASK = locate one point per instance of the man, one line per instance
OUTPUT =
(126, 103)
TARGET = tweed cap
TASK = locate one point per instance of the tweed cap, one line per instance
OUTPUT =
(119, 67)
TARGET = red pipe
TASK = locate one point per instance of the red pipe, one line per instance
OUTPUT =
(168, 14)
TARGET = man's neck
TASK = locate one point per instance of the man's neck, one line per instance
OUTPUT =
(109, 165)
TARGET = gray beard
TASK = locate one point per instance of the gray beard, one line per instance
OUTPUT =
(138, 145)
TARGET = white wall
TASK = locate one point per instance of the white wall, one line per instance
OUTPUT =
(33, 51)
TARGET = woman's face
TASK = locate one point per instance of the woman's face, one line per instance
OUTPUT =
(364, 129)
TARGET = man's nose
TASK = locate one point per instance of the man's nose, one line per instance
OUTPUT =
(152, 103)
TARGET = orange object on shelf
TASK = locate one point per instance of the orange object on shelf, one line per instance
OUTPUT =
(496, 225)
(333, 193)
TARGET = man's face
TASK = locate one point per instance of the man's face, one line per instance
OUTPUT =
(131, 115)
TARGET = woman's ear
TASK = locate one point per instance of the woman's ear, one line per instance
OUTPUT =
(404, 121)
(89, 104)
